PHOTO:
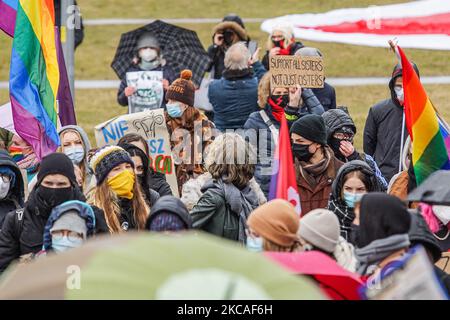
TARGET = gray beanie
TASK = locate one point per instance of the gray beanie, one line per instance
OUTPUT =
(308, 52)
(71, 221)
(147, 40)
(320, 227)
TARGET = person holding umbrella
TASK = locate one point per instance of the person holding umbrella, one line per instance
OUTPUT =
(148, 58)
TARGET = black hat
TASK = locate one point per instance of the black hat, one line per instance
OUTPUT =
(234, 18)
(169, 205)
(311, 127)
(56, 163)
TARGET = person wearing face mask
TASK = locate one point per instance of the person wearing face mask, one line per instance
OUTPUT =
(76, 145)
(141, 170)
(118, 192)
(384, 126)
(11, 186)
(281, 42)
(68, 227)
(353, 180)
(187, 127)
(315, 163)
(149, 58)
(23, 154)
(274, 104)
(273, 227)
(341, 131)
(22, 232)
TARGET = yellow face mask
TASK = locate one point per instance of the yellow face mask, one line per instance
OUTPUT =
(122, 184)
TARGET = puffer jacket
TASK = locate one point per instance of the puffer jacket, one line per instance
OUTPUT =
(345, 214)
(15, 197)
(336, 119)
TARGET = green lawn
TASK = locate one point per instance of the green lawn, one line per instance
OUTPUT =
(94, 56)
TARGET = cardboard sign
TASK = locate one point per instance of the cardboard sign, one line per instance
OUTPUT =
(151, 125)
(149, 90)
(413, 278)
(290, 71)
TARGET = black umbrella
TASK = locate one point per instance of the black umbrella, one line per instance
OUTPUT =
(434, 190)
(180, 47)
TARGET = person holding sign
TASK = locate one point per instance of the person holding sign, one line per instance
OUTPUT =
(148, 59)
(190, 130)
(281, 42)
(117, 192)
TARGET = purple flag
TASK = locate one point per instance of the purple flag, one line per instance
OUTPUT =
(8, 11)
(66, 108)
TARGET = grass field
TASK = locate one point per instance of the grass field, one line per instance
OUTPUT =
(94, 56)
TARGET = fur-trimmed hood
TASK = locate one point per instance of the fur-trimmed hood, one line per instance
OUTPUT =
(242, 34)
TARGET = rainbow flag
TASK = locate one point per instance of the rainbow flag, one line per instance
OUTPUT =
(427, 132)
(283, 184)
(34, 76)
(8, 11)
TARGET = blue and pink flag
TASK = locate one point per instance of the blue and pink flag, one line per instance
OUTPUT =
(8, 11)
(283, 184)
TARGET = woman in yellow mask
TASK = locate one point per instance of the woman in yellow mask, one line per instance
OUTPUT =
(117, 192)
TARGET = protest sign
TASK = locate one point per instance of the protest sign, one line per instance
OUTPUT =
(290, 71)
(149, 90)
(411, 278)
(151, 125)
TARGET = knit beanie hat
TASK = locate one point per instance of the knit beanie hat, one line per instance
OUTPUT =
(320, 227)
(56, 163)
(182, 89)
(71, 221)
(275, 221)
(147, 40)
(106, 158)
(311, 127)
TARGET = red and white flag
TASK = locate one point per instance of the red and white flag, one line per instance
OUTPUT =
(421, 24)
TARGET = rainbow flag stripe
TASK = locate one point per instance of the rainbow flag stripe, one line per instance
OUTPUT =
(8, 10)
(34, 76)
(429, 146)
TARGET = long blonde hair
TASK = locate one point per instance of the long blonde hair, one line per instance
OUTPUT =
(105, 198)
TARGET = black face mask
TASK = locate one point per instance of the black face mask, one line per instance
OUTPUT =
(281, 100)
(354, 235)
(335, 144)
(48, 198)
(278, 43)
(140, 178)
(301, 152)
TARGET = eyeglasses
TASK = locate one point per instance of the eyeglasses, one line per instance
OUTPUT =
(71, 236)
(5, 178)
(343, 136)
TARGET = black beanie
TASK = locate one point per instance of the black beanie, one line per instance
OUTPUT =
(56, 163)
(382, 216)
(311, 127)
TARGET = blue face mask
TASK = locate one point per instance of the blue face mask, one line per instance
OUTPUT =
(352, 198)
(255, 244)
(76, 154)
(61, 244)
(174, 110)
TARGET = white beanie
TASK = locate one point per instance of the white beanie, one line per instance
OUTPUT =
(286, 29)
(320, 227)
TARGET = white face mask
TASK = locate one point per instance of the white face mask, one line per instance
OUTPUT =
(148, 54)
(442, 213)
(4, 189)
(399, 94)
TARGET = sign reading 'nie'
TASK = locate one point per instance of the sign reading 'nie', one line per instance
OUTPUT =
(290, 71)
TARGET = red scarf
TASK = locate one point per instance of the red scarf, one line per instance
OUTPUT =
(285, 51)
(277, 111)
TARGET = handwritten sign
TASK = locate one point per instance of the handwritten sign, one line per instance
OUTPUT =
(149, 90)
(290, 71)
(151, 125)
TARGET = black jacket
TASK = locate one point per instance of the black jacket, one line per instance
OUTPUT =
(157, 182)
(23, 230)
(326, 96)
(295, 46)
(15, 197)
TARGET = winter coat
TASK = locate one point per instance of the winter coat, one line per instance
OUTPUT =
(22, 233)
(336, 204)
(317, 196)
(217, 53)
(223, 210)
(192, 190)
(382, 133)
(293, 49)
(335, 120)
(255, 125)
(193, 167)
(81, 208)
(157, 181)
(15, 197)
(126, 217)
(168, 74)
(326, 96)
(235, 98)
